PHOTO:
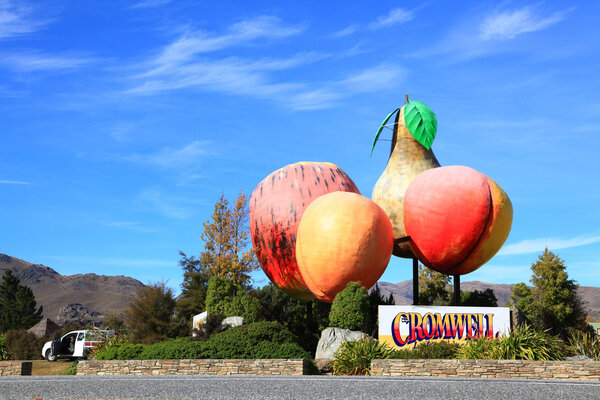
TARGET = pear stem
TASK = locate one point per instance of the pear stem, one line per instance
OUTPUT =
(406, 98)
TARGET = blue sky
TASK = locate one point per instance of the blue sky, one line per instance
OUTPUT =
(121, 123)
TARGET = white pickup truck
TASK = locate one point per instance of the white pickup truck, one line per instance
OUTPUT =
(75, 344)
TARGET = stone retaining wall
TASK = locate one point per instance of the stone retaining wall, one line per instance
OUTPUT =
(15, 368)
(516, 369)
(193, 367)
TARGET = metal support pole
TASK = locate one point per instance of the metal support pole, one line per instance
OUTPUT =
(457, 290)
(415, 281)
(309, 322)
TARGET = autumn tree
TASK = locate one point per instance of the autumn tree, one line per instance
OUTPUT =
(227, 253)
(150, 315)
(18, 308)
(552, 303)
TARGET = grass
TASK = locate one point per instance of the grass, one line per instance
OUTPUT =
(43, 367)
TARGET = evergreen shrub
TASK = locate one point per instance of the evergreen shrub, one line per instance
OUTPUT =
(23, 345)
(350, 308)
(257, 340)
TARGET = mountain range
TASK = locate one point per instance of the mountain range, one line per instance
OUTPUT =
(89, 298)
(82, 298)
(403, 293)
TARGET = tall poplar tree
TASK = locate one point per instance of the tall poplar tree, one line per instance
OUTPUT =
(17, 304)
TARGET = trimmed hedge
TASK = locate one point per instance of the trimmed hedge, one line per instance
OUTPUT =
(257, 340)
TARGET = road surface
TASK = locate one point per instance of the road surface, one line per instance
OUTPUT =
(299, 387)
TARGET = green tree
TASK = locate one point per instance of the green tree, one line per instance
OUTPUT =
(279, 306)
(114, 322)
(433, 287)
(552, 303)
(192, 300)
(150, 317)
(376, 298)
(478, 298)
(350, 308)
(229, 299)
(17, 304)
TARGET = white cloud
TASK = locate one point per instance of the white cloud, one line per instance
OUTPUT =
(188, 63)
(115, 261)
(39, 62)
(191, 44)
(494, 34)
(553, 243)
(345, 32)
(395, 16)
(17, 19)
(126, 225)
(176, 207)
(187, 156)
(6, 182)
(314, 99)
(150, 3)
(509, 24)
(376, 78)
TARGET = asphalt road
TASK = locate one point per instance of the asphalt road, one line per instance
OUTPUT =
(301, 387)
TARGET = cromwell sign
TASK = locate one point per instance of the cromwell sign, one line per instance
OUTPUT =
(400, 326)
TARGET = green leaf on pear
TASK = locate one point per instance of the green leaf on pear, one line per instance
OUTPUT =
(421, 122)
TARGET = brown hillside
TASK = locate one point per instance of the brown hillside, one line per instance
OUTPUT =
(98, 293)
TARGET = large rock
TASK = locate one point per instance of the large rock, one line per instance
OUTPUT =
(230, 322)
(78, 314)
(332, 339)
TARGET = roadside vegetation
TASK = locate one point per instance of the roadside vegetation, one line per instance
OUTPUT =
(157, 325)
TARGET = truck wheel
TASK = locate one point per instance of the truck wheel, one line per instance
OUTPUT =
(49, 355)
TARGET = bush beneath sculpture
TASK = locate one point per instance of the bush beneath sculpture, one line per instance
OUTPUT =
(257, 340)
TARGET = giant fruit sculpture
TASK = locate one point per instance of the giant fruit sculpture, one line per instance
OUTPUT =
(343, 237)
(276, 208)
(457, 218)
(411, 154)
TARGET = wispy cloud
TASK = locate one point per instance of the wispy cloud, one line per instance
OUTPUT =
(395, 16)
(6, 182)
(511, 23)
(345, 32)
(29, 62)
(125, 225)
(193, 43)
(185, 157)
(376, 78)
(115, 261)
(150, 3)
(170, 206)
(189, 63)
(553, 243)
(17, 19)
(467, 41)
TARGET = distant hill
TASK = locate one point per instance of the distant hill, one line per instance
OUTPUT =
(403, 293)
(72, 298)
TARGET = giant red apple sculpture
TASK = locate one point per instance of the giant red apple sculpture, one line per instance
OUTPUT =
(276, 208)
(457, 218)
